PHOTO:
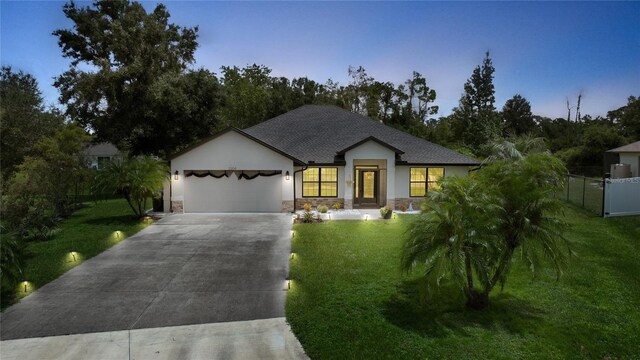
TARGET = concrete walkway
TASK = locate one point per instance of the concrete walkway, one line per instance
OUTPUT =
(257, 339)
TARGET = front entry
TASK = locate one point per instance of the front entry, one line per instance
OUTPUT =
(366, 188)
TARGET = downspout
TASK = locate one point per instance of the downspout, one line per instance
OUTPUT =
(305, 167)
(170, 190)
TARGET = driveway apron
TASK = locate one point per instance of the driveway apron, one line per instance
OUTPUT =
(185, 269)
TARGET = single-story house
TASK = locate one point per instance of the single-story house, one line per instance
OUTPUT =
(628, 154)
(97, 155)
(315, 154)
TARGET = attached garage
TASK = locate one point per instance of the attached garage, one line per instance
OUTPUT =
(231, 172)
(232, 194)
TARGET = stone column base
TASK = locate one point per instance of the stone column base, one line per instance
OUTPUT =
(287, 206)
(391, 203)
(348, 204)
(177, 207)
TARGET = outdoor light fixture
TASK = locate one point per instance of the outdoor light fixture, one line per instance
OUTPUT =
(292, 253)
(25, 284)
(73, 255)
(293, 219)
(286, 175)
(293, 233)
(366, 216)
(176, 175)
(288, 283)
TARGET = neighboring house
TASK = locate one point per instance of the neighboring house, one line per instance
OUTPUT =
(314, 154)
(628, 154)
(99, 154)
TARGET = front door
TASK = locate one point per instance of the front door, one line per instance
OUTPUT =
(367, 188)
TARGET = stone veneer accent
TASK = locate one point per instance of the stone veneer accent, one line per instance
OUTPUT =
(391, 203)
(318, 201)
(177, 207)
(287, 206)
(405, 201)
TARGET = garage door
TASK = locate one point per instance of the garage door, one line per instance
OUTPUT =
(230, 194)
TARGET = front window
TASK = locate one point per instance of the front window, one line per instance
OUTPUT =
(320, 182)
(102, 161)
(422, 180)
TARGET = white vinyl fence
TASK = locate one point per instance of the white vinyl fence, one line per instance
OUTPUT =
(622, 197)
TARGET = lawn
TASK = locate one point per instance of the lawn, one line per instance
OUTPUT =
(88, 232)
(348, 299)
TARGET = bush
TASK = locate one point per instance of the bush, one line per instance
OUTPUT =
(402, 208)
(323, 209)
(336, 206)
(307, 207)
(12, 256)
(307, 217)
(386, 212)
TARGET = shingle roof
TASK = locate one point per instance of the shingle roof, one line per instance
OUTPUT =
(633, 147)
(101, 149)
(317, 133)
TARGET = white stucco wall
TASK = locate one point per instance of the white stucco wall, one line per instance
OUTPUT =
(231, 151)
(632, 159)
(402, 177)
(370, 150)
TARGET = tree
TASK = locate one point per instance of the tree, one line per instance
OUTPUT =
(517, 117)
(38, 192)
(130, 54)
(628, 117)
(23, 119)
(446, 239)
(12, 258)
(136, 179)
(476, 118)
(471, 228)
(246, 95)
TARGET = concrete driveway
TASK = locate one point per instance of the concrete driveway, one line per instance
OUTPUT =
(185, 269)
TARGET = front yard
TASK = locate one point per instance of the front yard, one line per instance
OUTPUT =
(88, 232)
(348, 299)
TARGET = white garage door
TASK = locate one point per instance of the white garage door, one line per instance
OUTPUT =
(228, 194)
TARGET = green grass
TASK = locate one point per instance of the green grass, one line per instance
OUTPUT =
(88, 232)
(348, 299)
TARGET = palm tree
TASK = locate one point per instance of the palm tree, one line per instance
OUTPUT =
(515, 148)
(471, 228)
(134, 178)
(450, 238)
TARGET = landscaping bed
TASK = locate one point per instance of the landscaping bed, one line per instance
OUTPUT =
(349, 300)
(89, 231)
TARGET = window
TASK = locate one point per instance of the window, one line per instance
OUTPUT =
(102, 161)
(421, 180)
(320, 182)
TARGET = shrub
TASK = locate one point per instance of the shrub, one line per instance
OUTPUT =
(307, 207)
(12, 256)
(323, 209)
(307, 217)
(386, 212)
(402, 208)
(337, 205)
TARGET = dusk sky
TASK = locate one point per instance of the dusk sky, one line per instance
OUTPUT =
(545, 51)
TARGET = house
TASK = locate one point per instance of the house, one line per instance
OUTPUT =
(315, 154)
(627, 154)
(97, 155)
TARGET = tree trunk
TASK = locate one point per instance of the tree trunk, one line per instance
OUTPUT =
(478, 300)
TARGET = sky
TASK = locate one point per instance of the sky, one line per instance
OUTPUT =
(545, 51)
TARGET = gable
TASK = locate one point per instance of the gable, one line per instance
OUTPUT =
(230, 149)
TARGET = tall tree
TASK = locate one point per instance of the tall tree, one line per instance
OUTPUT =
(517, 117)
(246, 95)
(478, 122)
(23, 119)
(628, 117)
(126, 52)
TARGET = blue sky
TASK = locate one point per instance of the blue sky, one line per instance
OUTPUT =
(545, 51)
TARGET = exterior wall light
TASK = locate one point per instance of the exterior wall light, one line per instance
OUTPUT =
(176, 175)
(286, 176)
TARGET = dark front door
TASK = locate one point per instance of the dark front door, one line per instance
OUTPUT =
(367, 188)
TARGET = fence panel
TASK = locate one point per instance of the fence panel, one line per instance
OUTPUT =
(584, 192)
(622, 197)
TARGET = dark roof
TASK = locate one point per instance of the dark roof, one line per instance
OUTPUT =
(633, 147)
(318, 133)
(297, 161)
(101, 149)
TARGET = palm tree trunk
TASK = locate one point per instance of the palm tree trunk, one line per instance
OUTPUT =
(475, 299)
(128, 198)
